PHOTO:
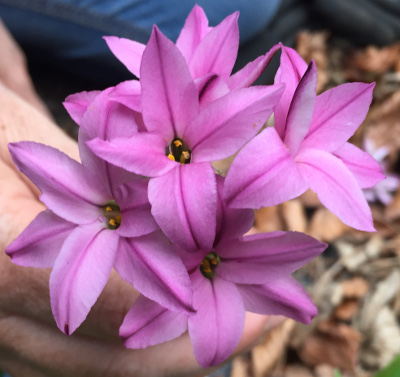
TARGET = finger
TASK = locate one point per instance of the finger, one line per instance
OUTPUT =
(20, 121)
(14, 72)
(45, 349)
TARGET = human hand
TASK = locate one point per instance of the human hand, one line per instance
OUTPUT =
(14, 73)
(31, 344)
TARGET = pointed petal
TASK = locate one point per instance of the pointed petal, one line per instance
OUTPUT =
(336, 187)
(194, 30)
(77, 104)
(72, 192)
(136, 217)
(151, 265)
(80, 273)
(107, 119)
(262, 258)
(252, 71)
(218, 49)
(215, 87)
(184, 205)
(271, 174)
(362, 165)
(128, 52)
(301, 110)
(169, 96)
(148, 323)
(40, 243)
(226, 124)
(128, 93)
(142, 154)
(291, 70)
(283, 296)
(216, 328)
(338, 113)
(231, 223)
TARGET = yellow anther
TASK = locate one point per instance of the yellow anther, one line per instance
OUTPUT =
(177, 143)
(207, 270)
(214, 261)
(118, 219)
(112, 222)
(185, 155)
(108, 209)
(171, 157)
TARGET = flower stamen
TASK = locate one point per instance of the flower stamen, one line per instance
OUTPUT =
(112, 213)
(178, 151)
(209, 264)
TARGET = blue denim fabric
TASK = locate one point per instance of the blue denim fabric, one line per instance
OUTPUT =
(74, 23)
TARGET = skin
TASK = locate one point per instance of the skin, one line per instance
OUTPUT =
(30, 342)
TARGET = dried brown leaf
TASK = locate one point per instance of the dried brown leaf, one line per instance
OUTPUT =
(265, 355)
(333, 343)
(346, 310)
(356, 287)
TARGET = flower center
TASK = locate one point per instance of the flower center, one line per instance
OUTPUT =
(178, 151)
(112, 213)
(209, 264)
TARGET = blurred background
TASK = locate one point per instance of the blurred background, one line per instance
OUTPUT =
(356, 283)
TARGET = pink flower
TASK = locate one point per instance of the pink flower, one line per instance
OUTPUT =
(382, 191)
(210, 53)
(308, 149)
(98, 218)
(182, 139)
(238, 273)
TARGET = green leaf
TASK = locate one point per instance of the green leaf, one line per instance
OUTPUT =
(336, 373)
(390, 370)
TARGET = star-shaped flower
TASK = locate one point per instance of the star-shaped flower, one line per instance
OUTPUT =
(237, 273)
(98, 217)
(183, 139)
(308, 148)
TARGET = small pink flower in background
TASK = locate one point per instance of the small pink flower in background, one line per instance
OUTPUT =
(308, 148)
(238, 273)
(382, 191)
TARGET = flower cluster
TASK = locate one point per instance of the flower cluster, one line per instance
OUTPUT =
(147, 201)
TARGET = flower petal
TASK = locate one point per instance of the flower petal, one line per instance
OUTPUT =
(151, 265)
(128, 93)
(73, 192)
(142, 154)
(231, 223)
(362, 165)
(80, 273)
(128, 52)
(225, 125)
(136, 217)
(169, 95)
(217, 51)
(252, 71)
(301, 110)
(271, 175)
(290, 72)
(283, 296)
(77, 104)
(184, 205)
(148, 323)
(40, 243)
(262, 258)
(338, 113)
(336, 187)
(194, 30)
(216, 328)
